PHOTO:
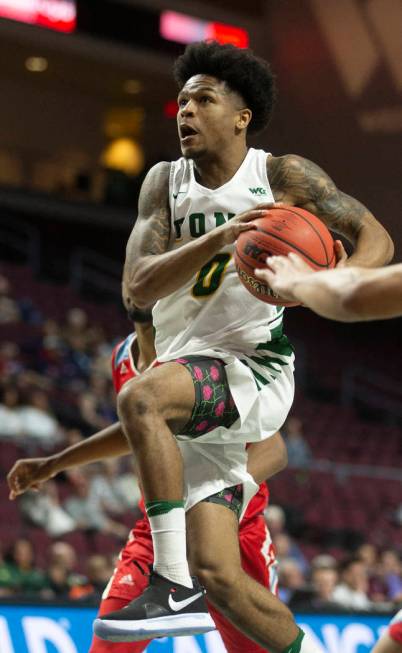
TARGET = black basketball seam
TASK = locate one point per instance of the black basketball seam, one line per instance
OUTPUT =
(247, 264)
(292, 210)
(298, 249)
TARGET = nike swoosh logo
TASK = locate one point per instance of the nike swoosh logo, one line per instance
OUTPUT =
(179, 193)
(178, 605)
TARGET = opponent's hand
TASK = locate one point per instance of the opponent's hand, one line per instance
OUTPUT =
(243, 222)
(29, 474)
(340, 253)
(282, 274)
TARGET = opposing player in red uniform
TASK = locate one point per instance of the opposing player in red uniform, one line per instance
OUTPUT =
(391, 640)
(131, 357)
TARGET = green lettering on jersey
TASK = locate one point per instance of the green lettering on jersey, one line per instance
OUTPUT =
(220, 218)
(197, 224)
(177, 225)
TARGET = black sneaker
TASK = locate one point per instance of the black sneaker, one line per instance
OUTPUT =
(165, 609)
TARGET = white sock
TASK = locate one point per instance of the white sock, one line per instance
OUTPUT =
(169, 540)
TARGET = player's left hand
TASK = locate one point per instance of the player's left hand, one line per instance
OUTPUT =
(282, 274)
(340, 253)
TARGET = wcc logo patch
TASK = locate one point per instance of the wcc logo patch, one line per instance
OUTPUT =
(258, 191)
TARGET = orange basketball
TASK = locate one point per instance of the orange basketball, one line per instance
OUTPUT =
(283, 230)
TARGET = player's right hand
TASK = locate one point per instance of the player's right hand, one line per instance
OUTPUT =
(29, 474)
(243, 222)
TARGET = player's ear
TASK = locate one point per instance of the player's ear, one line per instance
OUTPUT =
(243, 118)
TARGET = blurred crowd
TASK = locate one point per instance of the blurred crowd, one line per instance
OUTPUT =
(21, 576)
(58, 379)
(369, 578)
(55, 390)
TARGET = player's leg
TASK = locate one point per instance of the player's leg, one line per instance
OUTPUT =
(391, 641)
(152, 408)
(215, 558)
(387, 645)
(258, 561)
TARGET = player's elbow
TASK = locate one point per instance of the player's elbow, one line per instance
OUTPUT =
(136, 291)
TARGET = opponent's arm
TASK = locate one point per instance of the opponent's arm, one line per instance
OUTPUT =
(267, 458)
(150, 271)
(300, 182)
(346, 294)
(30, 473)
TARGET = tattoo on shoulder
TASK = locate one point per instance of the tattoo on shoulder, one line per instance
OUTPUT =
(301, 182)
(152, 229)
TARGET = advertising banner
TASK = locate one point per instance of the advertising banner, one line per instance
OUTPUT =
(30, 629)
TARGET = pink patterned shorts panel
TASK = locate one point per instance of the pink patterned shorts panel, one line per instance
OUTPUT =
(214, 405)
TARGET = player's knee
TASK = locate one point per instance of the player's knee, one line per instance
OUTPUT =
(136, 403)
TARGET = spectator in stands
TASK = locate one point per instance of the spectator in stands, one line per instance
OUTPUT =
(285, 546)
(324, 581)
(76, 325)
(38, 423)
(64, 555)
(10, 420)
(10, 361)
(287, 549)
(108, 486)
(390, 569)
(43, 509)
(87, 510)
(26, 577)
(127, 484)
(275, 518)
(299, 452)
(291, 578)
(57, 585)
(97, 407)
(370, 555)
(9, 309)
(352, 592)
(99, 571)
(52, 337)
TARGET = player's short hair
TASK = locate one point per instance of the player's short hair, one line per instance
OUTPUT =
(244, 72)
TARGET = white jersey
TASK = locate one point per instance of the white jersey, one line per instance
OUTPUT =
(213, 314)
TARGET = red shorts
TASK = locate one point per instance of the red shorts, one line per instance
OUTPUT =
(395, 632)
(127, 582)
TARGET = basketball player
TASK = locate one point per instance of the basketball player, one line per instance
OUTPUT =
(391, 640)
(350, 294)
(228, 372)
(131, 357)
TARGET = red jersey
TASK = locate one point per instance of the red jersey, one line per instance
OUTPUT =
(124, 369)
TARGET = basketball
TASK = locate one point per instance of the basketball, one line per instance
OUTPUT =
(283, 230)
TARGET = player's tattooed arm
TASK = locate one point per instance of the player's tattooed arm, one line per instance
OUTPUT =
(150, 235)
(300, 182)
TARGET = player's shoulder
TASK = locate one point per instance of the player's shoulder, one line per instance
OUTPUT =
(285, 162)
(157, 177)
(155, 189)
